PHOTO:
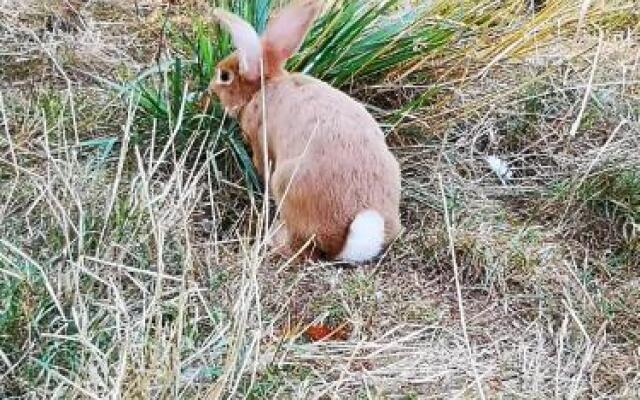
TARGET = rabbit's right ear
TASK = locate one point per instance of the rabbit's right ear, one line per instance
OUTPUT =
(246, 41)
(286, 31)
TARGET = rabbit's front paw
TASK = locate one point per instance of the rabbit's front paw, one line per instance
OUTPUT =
(278, 240)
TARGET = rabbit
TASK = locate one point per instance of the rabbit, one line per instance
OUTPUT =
(330, 171)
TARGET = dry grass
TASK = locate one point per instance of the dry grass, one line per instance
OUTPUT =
(131, 272)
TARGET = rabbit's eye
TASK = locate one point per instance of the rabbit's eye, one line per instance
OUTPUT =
(224, 76)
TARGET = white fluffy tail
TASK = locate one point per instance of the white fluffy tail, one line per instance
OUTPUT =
(365, 238)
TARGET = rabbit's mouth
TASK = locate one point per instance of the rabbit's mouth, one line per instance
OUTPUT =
(234, 111)
(205, 101)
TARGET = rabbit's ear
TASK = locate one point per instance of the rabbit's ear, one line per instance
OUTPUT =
(246, 41)
(286, 31)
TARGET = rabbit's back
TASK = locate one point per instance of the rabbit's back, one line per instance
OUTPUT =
(329, 156)
(306, 114)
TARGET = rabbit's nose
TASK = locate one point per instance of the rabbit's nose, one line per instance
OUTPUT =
(205, 100)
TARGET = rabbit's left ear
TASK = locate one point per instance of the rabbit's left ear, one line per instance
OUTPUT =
(286, 31)
(246, 41)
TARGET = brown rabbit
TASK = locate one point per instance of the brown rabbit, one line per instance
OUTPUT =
(331, 173)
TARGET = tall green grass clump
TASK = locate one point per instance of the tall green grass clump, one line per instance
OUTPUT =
(352, 43)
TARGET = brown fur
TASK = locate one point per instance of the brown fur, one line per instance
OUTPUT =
(328, 157)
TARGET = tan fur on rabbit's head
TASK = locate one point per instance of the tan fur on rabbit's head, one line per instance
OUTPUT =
(238, 76)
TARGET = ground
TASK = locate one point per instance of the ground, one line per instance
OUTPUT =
(128, 271)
